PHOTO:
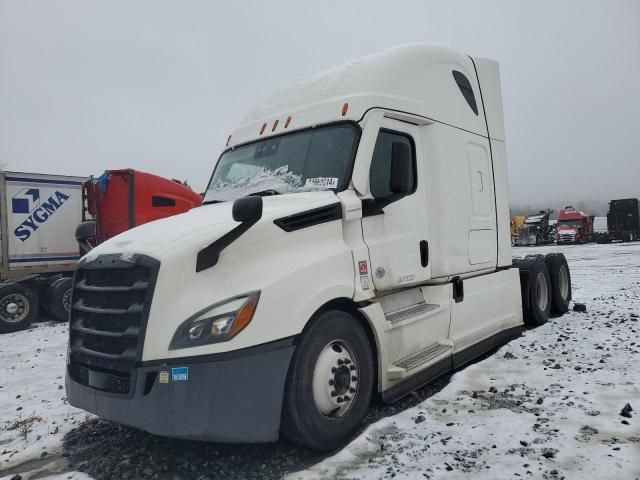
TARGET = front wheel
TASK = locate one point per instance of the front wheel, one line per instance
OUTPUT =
(18, 307)
(330, 383)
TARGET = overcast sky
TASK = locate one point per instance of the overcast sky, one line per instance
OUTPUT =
(155, 85)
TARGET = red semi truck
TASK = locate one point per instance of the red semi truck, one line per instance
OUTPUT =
(574, 226)
(119, 200)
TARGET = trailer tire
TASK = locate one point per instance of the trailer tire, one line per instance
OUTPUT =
(535, 287)
(560, 277)
(329, 384)
(59, 298)
(18, 307)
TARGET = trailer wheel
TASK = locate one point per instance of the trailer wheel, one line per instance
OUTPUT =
(560, 277)
(330, 383)
(59, 298)
(536, 290)
(18, 307)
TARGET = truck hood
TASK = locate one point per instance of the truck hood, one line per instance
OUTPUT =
(199, 227)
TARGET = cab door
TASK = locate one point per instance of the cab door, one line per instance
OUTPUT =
(394, 228)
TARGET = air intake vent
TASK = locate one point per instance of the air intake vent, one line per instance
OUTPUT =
(310, 218)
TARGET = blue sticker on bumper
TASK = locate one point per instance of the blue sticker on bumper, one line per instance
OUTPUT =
(180, 374)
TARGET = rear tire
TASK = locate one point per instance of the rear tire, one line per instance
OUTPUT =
(535, 286)
(560, 277)
(18, 307)
(330, 383)
(59, 298)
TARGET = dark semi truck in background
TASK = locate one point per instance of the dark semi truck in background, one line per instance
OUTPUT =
(623, 220)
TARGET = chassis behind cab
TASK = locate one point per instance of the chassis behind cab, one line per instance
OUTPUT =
(354, 240)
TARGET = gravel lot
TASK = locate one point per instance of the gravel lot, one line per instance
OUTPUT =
(607, 278)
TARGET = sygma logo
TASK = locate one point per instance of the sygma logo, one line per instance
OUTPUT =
(28, 201)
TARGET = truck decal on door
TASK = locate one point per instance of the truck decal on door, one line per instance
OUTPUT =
(28, 201)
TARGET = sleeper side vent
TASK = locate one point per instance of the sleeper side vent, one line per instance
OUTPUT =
(309, 218)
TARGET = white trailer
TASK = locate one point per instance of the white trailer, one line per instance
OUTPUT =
(354, 242)
(38, 217)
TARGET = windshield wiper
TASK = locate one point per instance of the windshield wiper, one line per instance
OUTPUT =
(265, 193)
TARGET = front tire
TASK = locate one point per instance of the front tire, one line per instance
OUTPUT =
(330, 383)
(18, 307)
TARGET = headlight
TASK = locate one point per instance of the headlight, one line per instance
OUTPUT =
(218, 323)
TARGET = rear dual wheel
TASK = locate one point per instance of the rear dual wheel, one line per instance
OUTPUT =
(535, 285)
(330, 383)
(560, 278)
(59, 298)
(546, 286)
(18, 307)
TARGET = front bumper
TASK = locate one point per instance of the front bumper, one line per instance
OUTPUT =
(231, 397)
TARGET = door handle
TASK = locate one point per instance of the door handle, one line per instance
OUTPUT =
(424, 253)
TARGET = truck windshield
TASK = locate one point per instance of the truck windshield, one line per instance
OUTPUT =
(310, 160)
(570, 223)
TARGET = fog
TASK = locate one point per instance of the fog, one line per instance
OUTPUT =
(157, 85)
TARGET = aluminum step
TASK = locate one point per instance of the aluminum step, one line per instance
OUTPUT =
(414, 362)
(409, 312)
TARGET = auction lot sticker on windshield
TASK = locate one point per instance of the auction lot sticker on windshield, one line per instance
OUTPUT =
(322, 182)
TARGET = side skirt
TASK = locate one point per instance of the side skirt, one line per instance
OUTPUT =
(449, 364)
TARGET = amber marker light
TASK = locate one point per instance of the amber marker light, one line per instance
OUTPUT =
(345, 108)
(275, 125)
(287, 121)
(264, 125)
(228, 140)
(244, 315)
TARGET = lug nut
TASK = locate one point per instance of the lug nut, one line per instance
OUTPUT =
(352, 390)
(339, 400)
(331, 382)
(354, 379)
(333, 394)
(352, 368)
(347, 398)
(340, 362)
(334, 369)
(347, 361)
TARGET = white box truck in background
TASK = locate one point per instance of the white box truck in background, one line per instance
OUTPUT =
(39, 214)
(354, 241)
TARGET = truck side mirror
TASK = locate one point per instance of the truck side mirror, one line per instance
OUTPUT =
(247, 208)
(85, 233)
(401, 178)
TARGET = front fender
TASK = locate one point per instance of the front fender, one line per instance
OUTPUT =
(296, 272)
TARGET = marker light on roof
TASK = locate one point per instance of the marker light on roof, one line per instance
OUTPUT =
(264, 125)
(228, 140)
(345, 107)
(275, 124)
(287, 121)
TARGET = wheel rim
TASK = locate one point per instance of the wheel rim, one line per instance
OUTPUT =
(14, 308)
(335, 379)
(563, 282)
(542, 292)
(66, 300)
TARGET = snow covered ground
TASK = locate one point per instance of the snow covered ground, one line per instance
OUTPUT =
(34, 413)
(547, 405)
(544, 406)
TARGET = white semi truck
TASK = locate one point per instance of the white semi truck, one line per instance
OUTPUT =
(354, 241)
(38, 217)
